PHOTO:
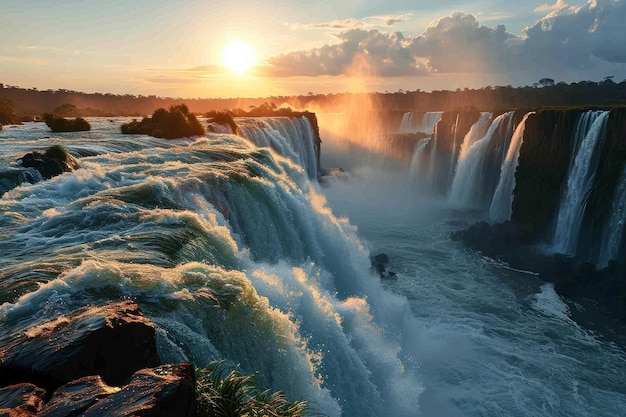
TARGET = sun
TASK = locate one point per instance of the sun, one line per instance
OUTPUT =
(239, 56)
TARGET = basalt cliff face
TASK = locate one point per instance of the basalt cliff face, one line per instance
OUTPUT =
(542, 170)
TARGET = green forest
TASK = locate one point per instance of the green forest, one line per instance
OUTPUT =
(21, 104)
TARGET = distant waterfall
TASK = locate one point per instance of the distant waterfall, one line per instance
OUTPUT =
(428, 122)
(406, 125)
(289, 136)
(590, 132)
(432, 163)
(500, 209)
(614, 229)
(454, 156)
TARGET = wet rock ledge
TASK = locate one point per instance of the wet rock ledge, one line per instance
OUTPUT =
(97, 361)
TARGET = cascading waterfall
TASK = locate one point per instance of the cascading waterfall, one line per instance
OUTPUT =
(614, 229)
(229, 249)
(589, 135)
(291, 137)
(234, 254)
(476, 132)
(475, 180)
(500, 209)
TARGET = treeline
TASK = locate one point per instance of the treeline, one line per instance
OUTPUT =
(67, 103)
(545, 93)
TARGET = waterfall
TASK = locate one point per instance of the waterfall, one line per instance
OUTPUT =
(428, 122)
(291, 137)
(432, 163)
(418, 161)
(589, 134)
(476, 132)
(228, 248)
(406, 125)
(454, 157)
(476, 174)
(500, 209)
(614, 229)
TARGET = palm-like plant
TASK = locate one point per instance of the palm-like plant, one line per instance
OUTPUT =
(223, 391)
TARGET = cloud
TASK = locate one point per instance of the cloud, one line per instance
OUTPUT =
(353, 23)
(21, 60)
(457, 43)
(384, 54)
(52, 49)
(335, 24)
(581, 36)
(570, 43)
(559, 5)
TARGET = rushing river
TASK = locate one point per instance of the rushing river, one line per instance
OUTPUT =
(234, 254)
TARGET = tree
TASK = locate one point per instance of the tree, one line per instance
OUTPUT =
(546, 82)
(65, 110)
(608, 80)
(8, 116)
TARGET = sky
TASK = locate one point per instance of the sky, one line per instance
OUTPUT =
(174, 48)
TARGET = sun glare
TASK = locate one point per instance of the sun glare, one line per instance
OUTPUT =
(239, 56)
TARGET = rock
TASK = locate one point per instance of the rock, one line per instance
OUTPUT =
(76, 397)
(113, 341)
(164, 391)
(380, 268)
(53, 162)
(389, 276)
(566, 287)
(557, 267)
(381, 258)
(21, 400)
(378, 263)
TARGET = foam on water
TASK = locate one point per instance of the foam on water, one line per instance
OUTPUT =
(549, 303)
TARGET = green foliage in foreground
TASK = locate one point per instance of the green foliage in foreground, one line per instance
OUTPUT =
(174, 123)
(222, 391)
(60, 124)
(57, 152)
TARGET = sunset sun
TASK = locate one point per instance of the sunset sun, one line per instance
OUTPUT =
(239, 56)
